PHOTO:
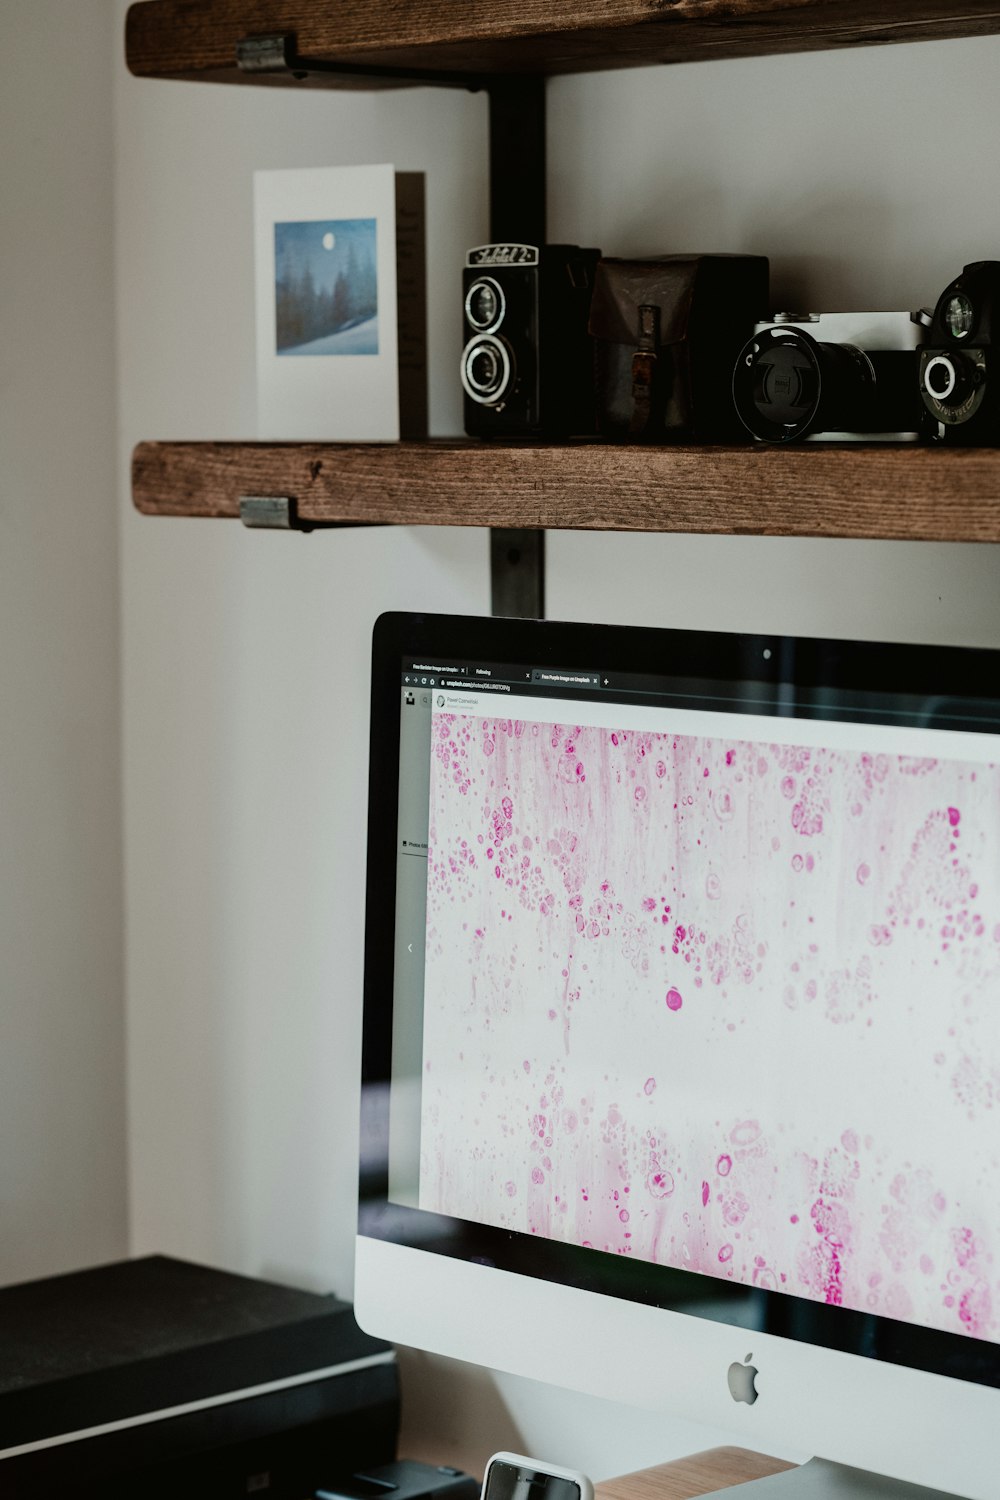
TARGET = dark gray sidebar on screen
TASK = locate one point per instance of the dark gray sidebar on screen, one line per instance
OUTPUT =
(416, 708)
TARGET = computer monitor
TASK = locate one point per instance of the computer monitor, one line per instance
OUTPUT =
(682, 1029)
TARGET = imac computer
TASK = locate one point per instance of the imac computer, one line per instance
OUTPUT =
(682, 1032)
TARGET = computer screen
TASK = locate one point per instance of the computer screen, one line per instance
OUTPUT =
(682, 992)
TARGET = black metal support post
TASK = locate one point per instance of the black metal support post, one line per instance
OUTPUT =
(517, 160)
(517, 216)
(517, 572)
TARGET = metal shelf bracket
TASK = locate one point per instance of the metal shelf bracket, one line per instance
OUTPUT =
(517, 213)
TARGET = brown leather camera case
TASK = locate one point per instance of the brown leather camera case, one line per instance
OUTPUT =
(667, 331)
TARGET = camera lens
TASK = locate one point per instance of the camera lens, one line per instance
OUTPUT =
(952, 386)
(485, 304)
(941, 377)
(486, 368)
(787, 385)
(959, 316)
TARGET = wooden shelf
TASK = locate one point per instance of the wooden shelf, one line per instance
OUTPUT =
(854, 491)
(890, 492)
(468, 39)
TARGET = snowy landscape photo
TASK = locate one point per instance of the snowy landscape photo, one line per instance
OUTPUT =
(326, 287)
(327, 307)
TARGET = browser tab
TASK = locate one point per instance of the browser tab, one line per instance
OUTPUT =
(550, 677)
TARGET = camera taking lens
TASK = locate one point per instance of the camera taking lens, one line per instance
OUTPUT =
(789, 384)
(486, 368)
(956, 365)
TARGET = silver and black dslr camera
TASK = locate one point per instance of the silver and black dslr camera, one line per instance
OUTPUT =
(958, 383)
(527, 363)
(836, 376)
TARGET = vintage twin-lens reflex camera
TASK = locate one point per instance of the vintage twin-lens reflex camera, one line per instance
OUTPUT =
(527, 361)
(832, 375)
(957, 362)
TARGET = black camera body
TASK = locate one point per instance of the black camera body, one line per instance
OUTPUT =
(527, 360)
(958, 364)
(831, 376)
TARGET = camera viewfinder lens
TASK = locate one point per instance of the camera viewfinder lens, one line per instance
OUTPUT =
(959, 316)
(485, 304)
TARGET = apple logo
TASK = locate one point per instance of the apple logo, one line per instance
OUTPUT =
(741, 1381)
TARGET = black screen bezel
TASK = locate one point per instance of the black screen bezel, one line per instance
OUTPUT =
(969, 677)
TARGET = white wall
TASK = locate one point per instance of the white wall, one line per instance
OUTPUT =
(245, 656)
(845, 169)
(62, 1112)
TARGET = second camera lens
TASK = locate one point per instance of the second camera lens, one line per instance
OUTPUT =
(486, 369)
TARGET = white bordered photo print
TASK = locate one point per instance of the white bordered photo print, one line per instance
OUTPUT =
(340, 303)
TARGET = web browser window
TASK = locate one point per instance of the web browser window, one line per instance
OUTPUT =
(703, 977)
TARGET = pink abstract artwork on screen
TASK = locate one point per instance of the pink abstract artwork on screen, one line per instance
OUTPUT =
(722, 1005)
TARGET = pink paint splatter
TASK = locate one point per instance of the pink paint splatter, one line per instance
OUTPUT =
(559, 915)
(659, 1183)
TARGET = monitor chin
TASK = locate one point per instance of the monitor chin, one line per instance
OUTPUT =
(890, 1423)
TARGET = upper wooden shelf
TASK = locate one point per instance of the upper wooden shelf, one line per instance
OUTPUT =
(895, 492)
(466, 40)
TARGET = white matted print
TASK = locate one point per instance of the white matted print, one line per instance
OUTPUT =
(325, 256)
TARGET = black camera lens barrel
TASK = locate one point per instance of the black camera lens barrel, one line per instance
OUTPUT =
(788, 385)
(941, 376)
(953, 384)
(487, 369)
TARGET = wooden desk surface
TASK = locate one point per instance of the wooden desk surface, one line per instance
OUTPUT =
(715, 1469)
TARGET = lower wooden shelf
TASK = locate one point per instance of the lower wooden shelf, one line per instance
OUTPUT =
(899, 492)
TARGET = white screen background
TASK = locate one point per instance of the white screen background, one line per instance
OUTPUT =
(721, 994)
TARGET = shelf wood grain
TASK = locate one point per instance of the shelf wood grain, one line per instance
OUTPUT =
(468, 39)
(685, 1478)
(897, 492)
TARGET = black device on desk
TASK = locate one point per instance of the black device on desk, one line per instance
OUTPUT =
(157, 1378)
